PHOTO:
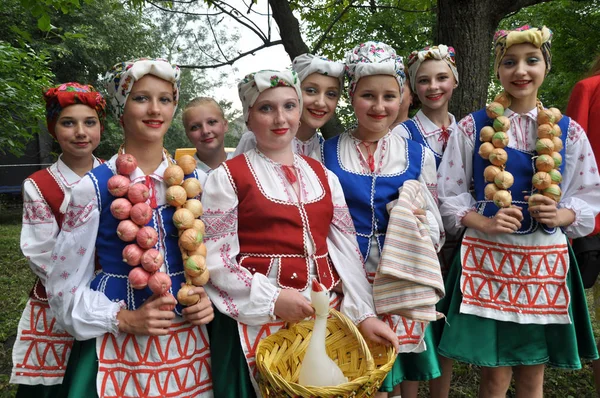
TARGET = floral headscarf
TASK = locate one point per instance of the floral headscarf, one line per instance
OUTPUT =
(66, 94)
(120, 78)
(255, 83)
(540, 38)
(440, 52)
(373, 58)
(307, 64)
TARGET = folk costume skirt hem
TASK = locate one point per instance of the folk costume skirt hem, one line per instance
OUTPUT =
(492, 343)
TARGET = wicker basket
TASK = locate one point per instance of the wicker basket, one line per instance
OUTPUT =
(279, 356)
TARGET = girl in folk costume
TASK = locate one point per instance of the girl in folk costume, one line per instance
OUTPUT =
(405, 105)
(205, 126)
(75, 117)
(275, 220)
(433, 77)
(321, 81)
(371, 164)
(515, 299)
(133, 342)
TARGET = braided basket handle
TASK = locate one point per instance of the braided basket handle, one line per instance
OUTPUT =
(361, 340)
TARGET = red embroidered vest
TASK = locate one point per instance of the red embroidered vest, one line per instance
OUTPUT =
(270, 229)
(53, 194)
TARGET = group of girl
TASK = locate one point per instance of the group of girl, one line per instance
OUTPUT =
(293, 207)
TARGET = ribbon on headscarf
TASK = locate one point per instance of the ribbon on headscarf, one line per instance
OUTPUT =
(66, 94)
(440, 52)
(119, 80)
(373, 58)
(250, 87)
(307, 64)
(539, 37)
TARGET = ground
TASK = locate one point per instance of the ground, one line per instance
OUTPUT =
(18, 280)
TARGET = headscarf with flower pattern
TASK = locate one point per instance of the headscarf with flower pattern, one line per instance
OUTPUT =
(307, 64)
(255, 83)
(120, 78)
(373, 58)
(539, 37)
(66, 94)
(440, 52)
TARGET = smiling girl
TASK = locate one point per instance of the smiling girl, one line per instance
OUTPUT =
(75, 118)
(371, 164)
(120, 327)
(274, 221)
(514, 298)
(321, 82)
(205, 126)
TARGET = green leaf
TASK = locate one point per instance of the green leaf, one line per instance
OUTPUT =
(44, 23)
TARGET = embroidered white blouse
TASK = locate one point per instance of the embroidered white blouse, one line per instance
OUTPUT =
(306, 148)
(40, 228)
(204, 169)
(431, 132)
(83, 312)
(580, 185)
(388, 161)
(251, 298)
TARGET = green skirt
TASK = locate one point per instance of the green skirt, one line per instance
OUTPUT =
(37, 391)
(492, 343)
(82, 369)
(414, 367)
(230, 374)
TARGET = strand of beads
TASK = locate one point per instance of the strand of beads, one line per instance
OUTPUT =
(181, 194)
(548, 146)
(494, 139)
(131, 208)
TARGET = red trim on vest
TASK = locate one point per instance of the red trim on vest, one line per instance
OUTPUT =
(281, 234)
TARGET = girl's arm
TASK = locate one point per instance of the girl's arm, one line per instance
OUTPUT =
(581, 182)
(248, 298)
(344, 253)
(247, 142)
(428, 181)
(84, 313)
(39, 231)
(454, 177)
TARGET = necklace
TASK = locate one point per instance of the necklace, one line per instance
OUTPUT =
(445, 134)
(547, 178)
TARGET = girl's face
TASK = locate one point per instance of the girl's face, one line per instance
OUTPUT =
(205, 127)
(274, 118)
(434, 83)
(522, 71)
(376, 102)
(149, 109)
(320, 95)
(78, 131)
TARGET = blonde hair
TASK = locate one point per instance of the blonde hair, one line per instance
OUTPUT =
(201, 101)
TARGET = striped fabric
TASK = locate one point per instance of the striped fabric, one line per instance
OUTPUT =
(408, 281)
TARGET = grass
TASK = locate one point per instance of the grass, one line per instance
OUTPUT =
(17, 280)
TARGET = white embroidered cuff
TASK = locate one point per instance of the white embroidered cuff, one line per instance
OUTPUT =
(272, 305)
(363, 317)
(113, 326)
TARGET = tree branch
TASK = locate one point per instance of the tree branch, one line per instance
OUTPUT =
(232, 60)
(216, 39)
(319, 43)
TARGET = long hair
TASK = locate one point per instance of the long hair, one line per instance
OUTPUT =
(595, 69)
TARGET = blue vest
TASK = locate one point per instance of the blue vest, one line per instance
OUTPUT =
(415, 134)
(368, 194)
(113, 278)
(521, 165)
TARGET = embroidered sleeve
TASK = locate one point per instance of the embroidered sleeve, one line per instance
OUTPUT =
(247, 142)
(454, 176)
(248, 298)
(429, 188)
(84, 313)
(581, 182)
(39, 230)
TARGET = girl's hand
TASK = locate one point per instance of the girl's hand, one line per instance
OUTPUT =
(149, 319)
(292, 306)
(421, 215)
(202, 312)
(546, 212)
(379, 332)
(506, 221)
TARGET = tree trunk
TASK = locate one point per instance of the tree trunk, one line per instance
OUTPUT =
(469, 26)
(289, 28)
